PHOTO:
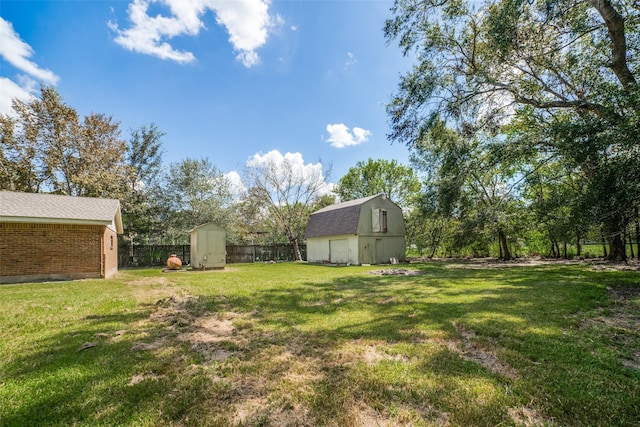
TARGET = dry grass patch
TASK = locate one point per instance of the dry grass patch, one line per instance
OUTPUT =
(304, 345)
(528, 417)
(619, 323)
(469, 348)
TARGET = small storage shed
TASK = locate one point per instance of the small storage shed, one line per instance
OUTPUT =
(370, 230)
(208, 247)
(54, 237)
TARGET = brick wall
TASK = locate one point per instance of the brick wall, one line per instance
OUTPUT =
(50, 251)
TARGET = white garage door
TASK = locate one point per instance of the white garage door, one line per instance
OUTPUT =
(339, 251)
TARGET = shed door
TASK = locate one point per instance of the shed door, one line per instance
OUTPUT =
(379, 252)
(339, 251)
(213, 246)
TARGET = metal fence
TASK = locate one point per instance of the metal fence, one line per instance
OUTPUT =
(156, 255)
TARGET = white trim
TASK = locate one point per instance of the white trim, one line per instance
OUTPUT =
(31, 220)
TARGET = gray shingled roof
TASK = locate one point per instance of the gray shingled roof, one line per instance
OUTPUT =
(341, 218)
(57, 208)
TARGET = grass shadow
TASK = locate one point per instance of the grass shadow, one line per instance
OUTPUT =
(449, 346)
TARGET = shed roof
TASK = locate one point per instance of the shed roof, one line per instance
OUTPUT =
(53, 208)
(207, 225)
(337, 219)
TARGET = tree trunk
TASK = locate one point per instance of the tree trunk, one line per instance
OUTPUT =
(638, 232)
(558, 255)
(638, 238)
(578, 246)
(433, 252)
(615, 24)
(504, 246)
(296, 248)
(614, 228)
(604, 246)
(617, 251)
(565, 250)
(631, 244)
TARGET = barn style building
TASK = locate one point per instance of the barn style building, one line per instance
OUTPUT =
(53, 237)
(370, 230)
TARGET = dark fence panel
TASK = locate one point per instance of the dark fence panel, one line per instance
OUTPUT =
(259, 253)
(151, 255)
(156, 255)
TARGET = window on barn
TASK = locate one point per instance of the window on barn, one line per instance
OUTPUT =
(379, 220)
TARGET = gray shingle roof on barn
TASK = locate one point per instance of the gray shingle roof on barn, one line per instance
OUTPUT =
(341, 218)
(57, 208)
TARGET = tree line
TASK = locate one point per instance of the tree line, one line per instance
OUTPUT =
(524, 115)
(521, 119)
(46, 146)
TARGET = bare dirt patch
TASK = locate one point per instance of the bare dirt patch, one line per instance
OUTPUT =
(186, 320)
(138, 378)
(395, 272)
(471, 349)
(148, 346)
(364, 351)
(527, 417)
(620, 322)
(152, 289)
(150, 281)
(373, 355)
(214, 337)
(360, 414)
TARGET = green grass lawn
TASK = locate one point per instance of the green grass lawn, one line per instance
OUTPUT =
(295, 344)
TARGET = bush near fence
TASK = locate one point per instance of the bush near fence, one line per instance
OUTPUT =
(156, 255)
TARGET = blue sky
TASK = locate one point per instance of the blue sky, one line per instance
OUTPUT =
(224, 79)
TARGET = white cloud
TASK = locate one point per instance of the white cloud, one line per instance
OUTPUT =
(237, 186)
(17, 53)
(247, 22)
(293, 162)
(10, 91)
(339, 135)
(351, 60)
(292, 167)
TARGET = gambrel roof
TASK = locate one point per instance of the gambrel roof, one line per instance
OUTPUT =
(58, 209)
(341, 218)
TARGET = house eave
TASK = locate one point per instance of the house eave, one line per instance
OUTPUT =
(32, 220)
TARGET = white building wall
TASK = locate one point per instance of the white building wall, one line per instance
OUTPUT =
(319, 249)
(208, 247)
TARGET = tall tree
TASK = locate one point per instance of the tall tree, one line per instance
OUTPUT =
(140, 209)
(144, 155)
(289, 189)
(398, 182)
(427, 226)
(472, 179)
(568, 66)
(557, 196)
(46, 147)
(194, 192)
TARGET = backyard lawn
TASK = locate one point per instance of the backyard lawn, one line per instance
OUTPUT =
(296, 344)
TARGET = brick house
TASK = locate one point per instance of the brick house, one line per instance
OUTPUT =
(53, 237)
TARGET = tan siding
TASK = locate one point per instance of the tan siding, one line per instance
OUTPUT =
(395, 220)
(110, 253)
